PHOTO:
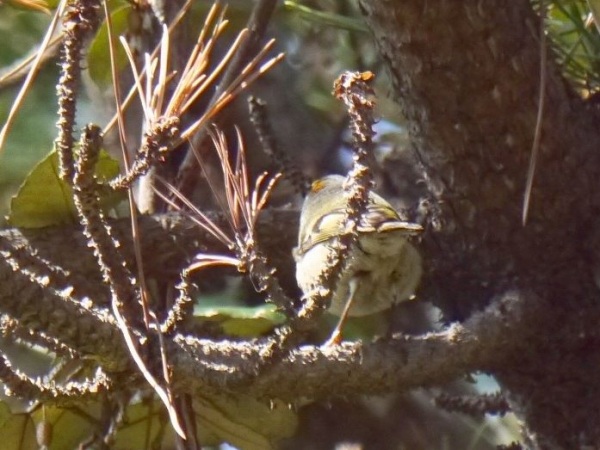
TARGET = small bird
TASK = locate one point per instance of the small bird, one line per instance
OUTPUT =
(383, 268)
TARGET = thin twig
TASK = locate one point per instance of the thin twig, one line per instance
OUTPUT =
(81, 19)
(353, 89)
(266, 136)
(11, 329)
(21, 385)
(182, 306)
(112, 264)
(135, 230)
(474, 405)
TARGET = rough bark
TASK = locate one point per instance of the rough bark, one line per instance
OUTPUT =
(51, 285)
(466, 75)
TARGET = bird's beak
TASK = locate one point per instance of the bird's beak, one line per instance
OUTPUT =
(406, 227)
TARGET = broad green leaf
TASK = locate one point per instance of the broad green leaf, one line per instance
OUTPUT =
(243, 421)
(45, 200)
(240, 421)
(17, 430)
(146, 425)
(242, 321)
(98, 57)
(69, 428)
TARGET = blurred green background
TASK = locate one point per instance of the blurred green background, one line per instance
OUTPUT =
(33, 131)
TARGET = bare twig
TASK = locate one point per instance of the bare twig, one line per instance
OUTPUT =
(260, 120)
(10, 329)
(96, 229)
(19, 384)
(55, 310)
(133, 211)
(474, 405)
(111, 262)
(353, 89)
(182, 306)
(81, 19)
(158, 141)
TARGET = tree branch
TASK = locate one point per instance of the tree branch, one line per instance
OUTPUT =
(486, 341)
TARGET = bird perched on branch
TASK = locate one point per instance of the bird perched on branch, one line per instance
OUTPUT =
(383, 268)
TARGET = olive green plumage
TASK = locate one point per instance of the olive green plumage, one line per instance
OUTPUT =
(384, 265)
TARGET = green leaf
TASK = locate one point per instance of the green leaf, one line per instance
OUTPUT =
(45, 200)
(98, 57)
(17, 430)
(69, 427)
(242, 321)
(243, 422)
(146, 425)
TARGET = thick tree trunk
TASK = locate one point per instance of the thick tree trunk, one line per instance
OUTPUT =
(466, 75)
